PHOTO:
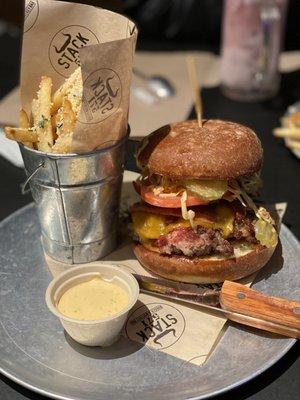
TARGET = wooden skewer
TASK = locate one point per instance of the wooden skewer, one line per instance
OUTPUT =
(195, 86)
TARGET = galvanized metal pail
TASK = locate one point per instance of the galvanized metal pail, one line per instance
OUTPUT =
(77, 198)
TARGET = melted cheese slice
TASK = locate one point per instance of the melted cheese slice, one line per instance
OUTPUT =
(152, 226)
(149, 226)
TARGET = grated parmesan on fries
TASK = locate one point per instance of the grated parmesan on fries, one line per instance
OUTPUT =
(50, 126)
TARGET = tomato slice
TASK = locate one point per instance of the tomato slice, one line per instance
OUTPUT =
(146, 193)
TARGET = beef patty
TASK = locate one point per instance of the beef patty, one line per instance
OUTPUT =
(203, 242)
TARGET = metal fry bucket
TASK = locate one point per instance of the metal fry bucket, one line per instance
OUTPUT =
(77, 198)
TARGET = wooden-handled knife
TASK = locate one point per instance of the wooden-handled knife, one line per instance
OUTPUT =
(233, 300)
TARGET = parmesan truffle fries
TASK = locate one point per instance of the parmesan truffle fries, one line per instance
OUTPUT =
(196, 221)
(50, 125)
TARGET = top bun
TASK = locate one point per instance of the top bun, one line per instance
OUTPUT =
(218, 150)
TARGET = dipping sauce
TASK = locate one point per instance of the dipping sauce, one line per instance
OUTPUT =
(93, 299)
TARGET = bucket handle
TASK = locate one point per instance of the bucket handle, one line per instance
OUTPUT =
(24, 185)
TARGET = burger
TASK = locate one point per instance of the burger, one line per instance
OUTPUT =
(196, 221)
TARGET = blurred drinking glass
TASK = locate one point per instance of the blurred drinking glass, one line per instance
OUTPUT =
(251, 43)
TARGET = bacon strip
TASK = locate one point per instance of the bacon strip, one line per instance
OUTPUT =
(205, 212)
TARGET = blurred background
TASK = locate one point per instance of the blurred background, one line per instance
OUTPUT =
(163, 25)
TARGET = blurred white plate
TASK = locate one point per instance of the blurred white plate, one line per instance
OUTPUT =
(291, 110)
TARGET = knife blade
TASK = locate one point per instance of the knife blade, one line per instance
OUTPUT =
(203, 294)
(233, 301)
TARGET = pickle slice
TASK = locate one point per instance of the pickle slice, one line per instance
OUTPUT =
(206, 189)
(265, 233)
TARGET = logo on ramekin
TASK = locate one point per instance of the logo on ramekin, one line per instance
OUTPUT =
(157, 324)
(102, 95)
(31, 14)
(64, 48)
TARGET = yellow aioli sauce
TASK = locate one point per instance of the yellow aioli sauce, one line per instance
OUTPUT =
(93, 299)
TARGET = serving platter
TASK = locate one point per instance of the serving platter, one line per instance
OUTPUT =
(36, 353)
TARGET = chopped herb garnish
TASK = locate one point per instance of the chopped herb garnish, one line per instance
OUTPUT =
(42, 122)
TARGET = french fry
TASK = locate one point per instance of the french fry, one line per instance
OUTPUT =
(21, 135)
(23, 119)
(295, 118)
(65, 122)
(287, 132)
(286, 122)
(57, 100)
(68, 88)
(41, 112)
(24, 123)
(51, 124)
(75, 96)
(69, 117)
(291, 121)
(293, 144)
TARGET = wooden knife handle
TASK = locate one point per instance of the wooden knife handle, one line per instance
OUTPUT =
(272, 314)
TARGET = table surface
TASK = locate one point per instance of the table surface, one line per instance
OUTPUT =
(281, 183)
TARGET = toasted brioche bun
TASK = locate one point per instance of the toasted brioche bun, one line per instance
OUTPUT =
(203, 269)
(218, 150)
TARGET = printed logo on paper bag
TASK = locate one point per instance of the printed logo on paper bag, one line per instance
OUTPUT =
(64, 48)
(157, 324)
(102, 95)
(31, 14)
(131, 28)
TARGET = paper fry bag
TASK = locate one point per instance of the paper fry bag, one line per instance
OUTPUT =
(60, 36)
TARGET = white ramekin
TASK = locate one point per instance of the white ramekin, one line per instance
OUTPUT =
(102, 332)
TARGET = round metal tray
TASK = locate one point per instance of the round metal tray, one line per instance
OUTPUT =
(36, 353)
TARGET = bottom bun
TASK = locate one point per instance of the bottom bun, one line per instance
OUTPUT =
(203, 269)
